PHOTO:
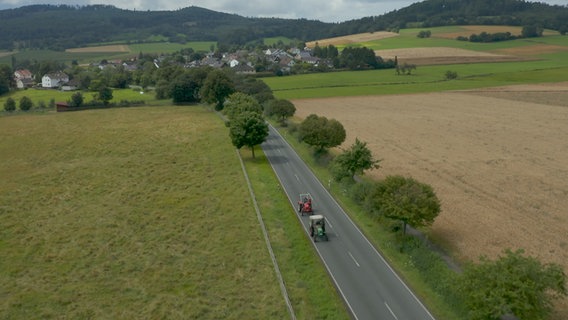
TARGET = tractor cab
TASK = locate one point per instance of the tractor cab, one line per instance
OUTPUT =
(305, 204)
(317, 227)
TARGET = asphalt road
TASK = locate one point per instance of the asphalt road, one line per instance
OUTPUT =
(369, 286)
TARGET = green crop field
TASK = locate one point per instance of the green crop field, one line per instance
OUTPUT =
(142, 213)
(548, 67)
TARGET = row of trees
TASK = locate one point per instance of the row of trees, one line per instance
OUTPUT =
(513, 284)
(531, 31)
(25, 104)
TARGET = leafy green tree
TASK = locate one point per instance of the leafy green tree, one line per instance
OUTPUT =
(450, 75)
(321, 132)
(238, 103)
(513, 284)
(10, 105)
(51, 104)
(352, 161)
(26, 103)
(105, 95)
(96, 85)
(281, 109)
(120, 78)
(185, 89)
(424, 34)
(531, 31)
(248, 129)
(76, 100)
(216, 88)
(254, 87)
(406, 200)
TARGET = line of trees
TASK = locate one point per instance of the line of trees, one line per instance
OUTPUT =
(512, 285)
(530, 31)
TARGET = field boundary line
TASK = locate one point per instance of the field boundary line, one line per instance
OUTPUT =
(267, 240)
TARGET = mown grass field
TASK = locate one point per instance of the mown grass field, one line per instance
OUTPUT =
(141, 213)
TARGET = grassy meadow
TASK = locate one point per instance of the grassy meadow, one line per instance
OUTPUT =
(547, 67)
(138, 213)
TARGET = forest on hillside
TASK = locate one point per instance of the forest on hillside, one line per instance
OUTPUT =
(58, 27)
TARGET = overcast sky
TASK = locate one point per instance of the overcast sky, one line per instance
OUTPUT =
(324, 10)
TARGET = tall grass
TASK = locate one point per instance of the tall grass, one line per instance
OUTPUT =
(133, 213)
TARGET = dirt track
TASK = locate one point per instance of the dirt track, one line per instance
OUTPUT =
(497, 159)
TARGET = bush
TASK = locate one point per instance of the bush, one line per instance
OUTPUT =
(424, 34)
(26, 103)
(10, 105)
(450, 75)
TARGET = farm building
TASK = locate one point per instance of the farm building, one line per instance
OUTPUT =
(54, 80)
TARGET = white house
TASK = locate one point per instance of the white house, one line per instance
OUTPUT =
(233, 63)
(54, 80)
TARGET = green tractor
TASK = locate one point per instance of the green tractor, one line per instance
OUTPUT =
(317, 227)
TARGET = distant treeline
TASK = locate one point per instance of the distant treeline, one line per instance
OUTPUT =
(59, 27)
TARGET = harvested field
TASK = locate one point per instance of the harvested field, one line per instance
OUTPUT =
(354, 38)
(497, 159)
(443, 55)
(4, 54)
(111, 48)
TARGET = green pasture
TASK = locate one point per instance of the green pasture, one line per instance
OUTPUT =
(144, 213)
(551, 68)
(546, 67)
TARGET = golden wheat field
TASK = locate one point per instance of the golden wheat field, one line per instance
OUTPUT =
(497, 159)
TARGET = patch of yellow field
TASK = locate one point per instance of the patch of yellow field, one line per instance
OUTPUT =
(497, 159)
(469, 30)
(354, 38)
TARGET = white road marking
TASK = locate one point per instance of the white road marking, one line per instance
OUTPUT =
(390, 310)
(328, 223)
(297, 178)
(357, 263)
